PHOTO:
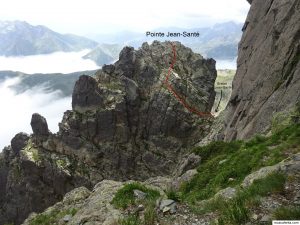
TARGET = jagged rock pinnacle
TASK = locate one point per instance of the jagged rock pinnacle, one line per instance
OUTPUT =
(39, 125)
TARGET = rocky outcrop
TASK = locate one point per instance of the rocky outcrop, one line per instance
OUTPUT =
(32, 180)
(268, 74)
(125, 123)
(89, 207)
(39, 125)
(19, 142)
(81, 206)
(86, 94)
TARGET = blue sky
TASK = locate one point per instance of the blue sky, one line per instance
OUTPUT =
(96, 16)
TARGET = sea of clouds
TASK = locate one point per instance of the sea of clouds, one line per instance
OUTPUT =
(58, 62)
(17, 109)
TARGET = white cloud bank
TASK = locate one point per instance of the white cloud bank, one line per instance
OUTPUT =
(58, 62)
(16, 110)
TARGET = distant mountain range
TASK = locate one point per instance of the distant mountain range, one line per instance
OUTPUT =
(219, 41)
(18, 38)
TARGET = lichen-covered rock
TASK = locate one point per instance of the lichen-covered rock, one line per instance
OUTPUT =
(268, 68)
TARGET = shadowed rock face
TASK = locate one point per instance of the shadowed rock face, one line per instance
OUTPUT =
(86, 95)
(268, 73)
(39, 125)
(19, 142)
(124, 124)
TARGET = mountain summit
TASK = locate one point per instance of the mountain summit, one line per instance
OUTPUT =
(19, 38)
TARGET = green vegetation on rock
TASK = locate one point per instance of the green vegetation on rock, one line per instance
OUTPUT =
(125, 196)
(130, 220)
(235, 211)
(52, 217)
(287, 213)
(226, 164)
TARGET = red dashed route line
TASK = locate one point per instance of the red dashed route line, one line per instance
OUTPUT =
(176, 95)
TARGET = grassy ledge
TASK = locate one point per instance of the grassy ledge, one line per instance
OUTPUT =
(226, 164)
(52, 218)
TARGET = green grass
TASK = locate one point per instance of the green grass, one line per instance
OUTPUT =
(287, 213)
(242, 158)
(171, 194)
(125, 196)
(130, 220)
(236, 210)
(52, 218)
(150, 215)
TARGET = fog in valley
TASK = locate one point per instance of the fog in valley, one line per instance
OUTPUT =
(58, 62)
(15, 115)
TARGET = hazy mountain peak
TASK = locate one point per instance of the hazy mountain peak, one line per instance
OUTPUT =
(21, 38)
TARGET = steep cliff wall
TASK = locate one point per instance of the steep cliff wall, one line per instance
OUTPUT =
(268, 73)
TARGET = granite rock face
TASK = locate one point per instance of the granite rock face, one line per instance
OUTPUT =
(124, 124)
(268, 73)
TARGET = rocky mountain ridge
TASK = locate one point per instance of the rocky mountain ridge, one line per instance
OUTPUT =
(125, 124)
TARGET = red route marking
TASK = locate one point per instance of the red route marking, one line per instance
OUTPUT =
(177, 96)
